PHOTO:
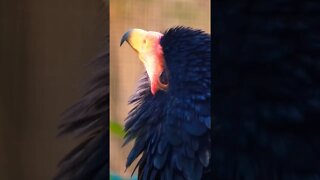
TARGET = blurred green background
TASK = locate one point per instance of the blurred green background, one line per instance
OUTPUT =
(125, 68)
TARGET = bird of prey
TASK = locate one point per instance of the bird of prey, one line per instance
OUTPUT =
(89, 116)
(171, 118)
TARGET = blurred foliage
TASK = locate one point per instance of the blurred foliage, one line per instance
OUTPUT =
(114, 176)
(116, 129)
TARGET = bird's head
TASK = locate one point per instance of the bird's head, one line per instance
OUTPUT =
(147, 45)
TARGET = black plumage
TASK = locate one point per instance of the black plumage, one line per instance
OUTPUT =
(172, 127)
(89, 116)
(267, 90)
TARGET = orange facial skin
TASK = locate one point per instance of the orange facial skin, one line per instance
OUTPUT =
(147, 45)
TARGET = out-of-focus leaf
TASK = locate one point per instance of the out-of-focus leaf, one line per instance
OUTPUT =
(114, 176)
(116, 129)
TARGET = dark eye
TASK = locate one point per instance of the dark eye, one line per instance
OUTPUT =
(164, 77)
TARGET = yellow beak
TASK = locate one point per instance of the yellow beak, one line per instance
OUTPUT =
(147, 45)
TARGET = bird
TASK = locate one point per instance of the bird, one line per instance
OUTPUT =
(267, 91)
(89, 116)
(170, 122)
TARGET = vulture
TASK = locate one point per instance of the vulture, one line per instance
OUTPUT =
(171, 119)
(89, 116)
(267, 90)
(266, 103)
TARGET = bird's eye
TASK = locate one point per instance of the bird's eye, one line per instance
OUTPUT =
(144, 41)
(164, 77)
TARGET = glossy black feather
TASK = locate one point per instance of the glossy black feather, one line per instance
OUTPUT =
(267, 85)
(172, 128)
(89, 116)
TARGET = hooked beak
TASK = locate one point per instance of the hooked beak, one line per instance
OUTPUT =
(147, 45)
